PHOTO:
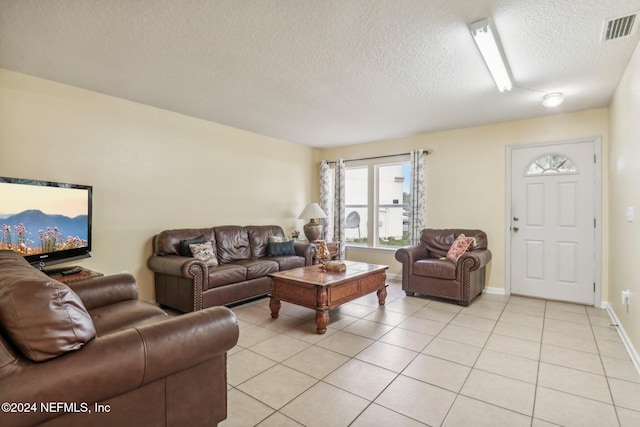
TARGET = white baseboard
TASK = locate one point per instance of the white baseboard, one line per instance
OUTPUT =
(487, 289)
(633, 354)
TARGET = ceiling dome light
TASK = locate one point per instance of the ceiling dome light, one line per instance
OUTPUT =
(551, 100)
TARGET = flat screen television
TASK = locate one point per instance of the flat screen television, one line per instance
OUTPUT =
(46, 222)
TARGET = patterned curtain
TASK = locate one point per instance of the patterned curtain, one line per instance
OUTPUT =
(325, 199)
(338, 206)
(416, 203)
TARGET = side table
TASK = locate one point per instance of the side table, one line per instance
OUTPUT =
(83, 274)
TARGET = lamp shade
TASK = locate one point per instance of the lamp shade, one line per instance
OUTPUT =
(312, 211)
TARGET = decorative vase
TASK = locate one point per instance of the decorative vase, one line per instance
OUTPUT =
(312, 230)
(323, 252)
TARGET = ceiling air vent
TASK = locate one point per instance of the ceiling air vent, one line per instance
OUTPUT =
(618, 28)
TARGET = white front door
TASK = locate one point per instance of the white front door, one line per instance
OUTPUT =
(553, 202)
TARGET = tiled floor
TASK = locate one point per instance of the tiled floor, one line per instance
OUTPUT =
(500, 362)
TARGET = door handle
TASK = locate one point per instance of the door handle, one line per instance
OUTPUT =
(514, 228)
(515, 218)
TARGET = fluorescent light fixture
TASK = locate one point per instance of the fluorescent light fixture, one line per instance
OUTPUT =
(489, 45)
(551, 100)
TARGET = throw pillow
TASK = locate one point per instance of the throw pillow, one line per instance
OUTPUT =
(278, 239)
(459, 246)
(281, 248)
(185, 250)
(204, 252)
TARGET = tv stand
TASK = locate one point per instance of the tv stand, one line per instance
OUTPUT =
(71, 274)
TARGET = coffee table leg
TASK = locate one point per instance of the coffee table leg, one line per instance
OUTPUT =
(382, 295)
(322, 320)
(274, 305)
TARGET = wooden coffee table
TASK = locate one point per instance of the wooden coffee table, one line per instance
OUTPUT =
(323, 290)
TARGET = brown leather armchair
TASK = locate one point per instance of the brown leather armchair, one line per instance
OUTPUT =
(93, 354)
(426, 271)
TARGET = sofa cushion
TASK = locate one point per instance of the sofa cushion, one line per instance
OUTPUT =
(42, 317)
(167, 242)
(433, 267)
(288, 262)
(125, 314)
(233, 243)
(438, 241)
(281, 249)
(259, 267)
(226, 274)
(259, 237)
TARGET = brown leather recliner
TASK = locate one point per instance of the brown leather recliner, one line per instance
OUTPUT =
(93, 354)
(426, 271)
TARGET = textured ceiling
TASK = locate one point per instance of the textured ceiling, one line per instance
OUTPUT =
(324, 72)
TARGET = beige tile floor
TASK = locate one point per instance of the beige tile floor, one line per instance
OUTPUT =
(503, 361)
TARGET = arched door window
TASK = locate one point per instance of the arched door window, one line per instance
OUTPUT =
(551, 164)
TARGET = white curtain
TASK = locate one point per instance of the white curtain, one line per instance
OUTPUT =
(338, 206)
(326, 200)
(416, 207)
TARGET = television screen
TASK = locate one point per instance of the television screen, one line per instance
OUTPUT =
(46, 222)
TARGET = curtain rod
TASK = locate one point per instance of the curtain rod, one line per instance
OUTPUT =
(426, 153)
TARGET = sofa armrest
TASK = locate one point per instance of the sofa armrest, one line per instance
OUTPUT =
(117, 363)
(307, 250)
(195, 338)
(474, 260)
(410, 254)
(105, 290)
(407, 256)
(175, 265)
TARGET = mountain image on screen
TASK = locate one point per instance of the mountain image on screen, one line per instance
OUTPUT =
(34, 231)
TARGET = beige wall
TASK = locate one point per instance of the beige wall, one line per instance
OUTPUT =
(151, 169)
(624, 190)
(465, 175)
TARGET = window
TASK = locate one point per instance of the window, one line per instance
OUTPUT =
(377, 194)
(356, 204)
(551, 164)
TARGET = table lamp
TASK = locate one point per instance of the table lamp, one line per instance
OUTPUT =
(312, 229)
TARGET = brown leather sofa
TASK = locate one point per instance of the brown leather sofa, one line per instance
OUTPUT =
(185, 283)
(92, 354)
(426, 271)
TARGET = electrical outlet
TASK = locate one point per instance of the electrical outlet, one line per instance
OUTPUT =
(630, 214)
(625, 296)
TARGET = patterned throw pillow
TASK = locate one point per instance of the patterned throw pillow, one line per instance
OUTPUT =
(204, 252)
(459, 246)
(184, 249)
